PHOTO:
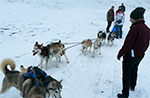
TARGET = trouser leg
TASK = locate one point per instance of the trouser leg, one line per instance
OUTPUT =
(130, 68)
(108, 25)
(117, 31)
(135, 72)
(126, 78)
(121, 31)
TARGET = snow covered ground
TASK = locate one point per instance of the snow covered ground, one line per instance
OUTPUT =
(23, 22)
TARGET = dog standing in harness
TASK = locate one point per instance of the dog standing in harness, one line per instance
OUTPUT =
(98, 43)
(52, 86)
(85, 45)
(16, 79)
(49, 51)
(102, 35)
(111, 38)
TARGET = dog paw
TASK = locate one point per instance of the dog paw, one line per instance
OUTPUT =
(45, 68)
(84, 53)
(93, 56)
(1, 92)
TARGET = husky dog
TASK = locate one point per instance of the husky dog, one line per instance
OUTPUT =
(110, 38)
(50, 51)
(85, 45)
(102, 36)
(96, 46)
(52, 86)
(15, 78)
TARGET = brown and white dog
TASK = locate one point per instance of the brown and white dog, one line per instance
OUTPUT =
(50, 51)
(86, 44)
(110, 38)
(16, 79)
(96, 46)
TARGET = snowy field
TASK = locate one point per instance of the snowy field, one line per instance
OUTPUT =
(23, 22)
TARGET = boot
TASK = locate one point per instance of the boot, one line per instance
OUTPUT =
(122, 96)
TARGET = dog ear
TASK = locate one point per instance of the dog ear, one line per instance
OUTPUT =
(41, 46)
(36, 42)
(23, 69)
(60, 85)
(60, 81)
(54, 83)
(83, 41)
(100, 31)
(59, 41)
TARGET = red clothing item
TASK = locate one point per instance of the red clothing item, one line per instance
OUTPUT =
(137, 40)
(121, 12)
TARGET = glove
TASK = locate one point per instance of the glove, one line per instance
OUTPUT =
(118, 57)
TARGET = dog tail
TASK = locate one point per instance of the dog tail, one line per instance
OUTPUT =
(5, 63)
(23, 69)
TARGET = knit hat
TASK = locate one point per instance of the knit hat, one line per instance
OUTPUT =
(137, 13)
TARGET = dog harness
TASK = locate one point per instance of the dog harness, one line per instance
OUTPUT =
(36, 74)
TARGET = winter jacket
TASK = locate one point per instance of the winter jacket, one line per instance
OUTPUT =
(119, 11)
(123, 8)
(110, 15)
(119, 18)
(137, 40)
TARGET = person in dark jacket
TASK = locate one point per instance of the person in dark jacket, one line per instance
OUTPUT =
(123, 8)
(133, 50)
(110, 18)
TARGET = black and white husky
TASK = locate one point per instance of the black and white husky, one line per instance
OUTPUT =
(102, 35)
(110, 38)
(50, 51)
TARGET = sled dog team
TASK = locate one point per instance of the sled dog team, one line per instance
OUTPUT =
(57, 49)
(34, 82)
(99, 41)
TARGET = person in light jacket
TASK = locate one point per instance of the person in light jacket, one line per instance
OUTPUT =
(119, 21)
(133, 50)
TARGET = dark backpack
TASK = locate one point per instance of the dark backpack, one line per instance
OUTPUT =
(119, 21)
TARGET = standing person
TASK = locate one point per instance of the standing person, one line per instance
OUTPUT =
(119, 21)
(123, 8)
(119, 8)
(110, 18)
(133, 50)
